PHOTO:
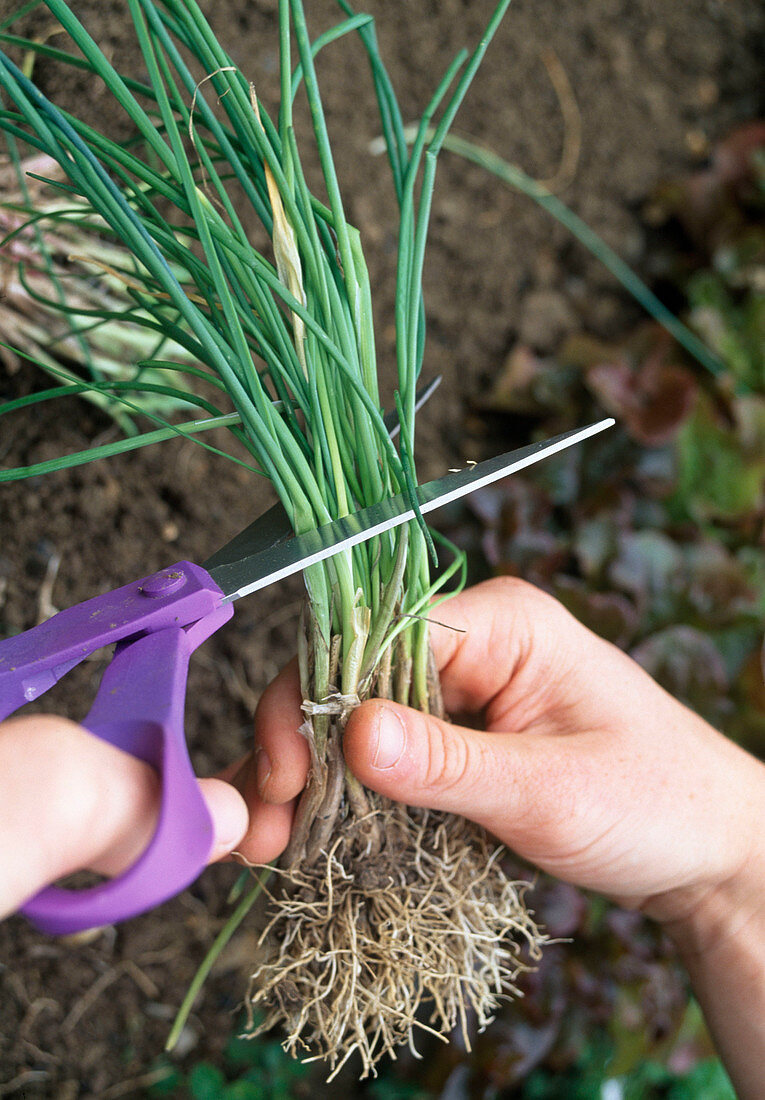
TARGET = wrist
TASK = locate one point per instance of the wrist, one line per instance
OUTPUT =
(724, 878)
(720, 919)
(721, 941)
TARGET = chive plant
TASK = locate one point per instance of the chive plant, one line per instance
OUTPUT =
(378, 909)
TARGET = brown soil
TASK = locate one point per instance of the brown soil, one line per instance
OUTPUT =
(654, 84)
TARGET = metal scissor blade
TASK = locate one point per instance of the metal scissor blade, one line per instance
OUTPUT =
(274, 525)
(273, 564)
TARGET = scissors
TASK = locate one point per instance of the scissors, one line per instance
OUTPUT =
(157, 623)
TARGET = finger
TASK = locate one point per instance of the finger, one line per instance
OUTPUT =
(134, 791)
(632, 812)
(500, 635)
(281, 760)
(229, 815)
(517, 786)
(72, 801)
(269, 824)
(268, 832)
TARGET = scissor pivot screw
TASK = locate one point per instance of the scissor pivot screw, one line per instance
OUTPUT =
(163, 584)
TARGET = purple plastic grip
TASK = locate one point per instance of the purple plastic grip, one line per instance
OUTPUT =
(159, 622)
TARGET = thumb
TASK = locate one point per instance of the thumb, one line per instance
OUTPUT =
(229, 813)
(69, 800)
(134, 805)
(492, 778)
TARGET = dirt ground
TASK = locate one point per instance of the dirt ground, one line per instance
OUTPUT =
(651, 85)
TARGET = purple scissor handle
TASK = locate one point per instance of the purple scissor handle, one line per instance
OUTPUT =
(157, 622)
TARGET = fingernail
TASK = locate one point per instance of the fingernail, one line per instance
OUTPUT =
(262, 771)
(390, 737)
(229, 814)
(229, 829)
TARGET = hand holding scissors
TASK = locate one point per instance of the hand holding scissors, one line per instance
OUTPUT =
(157, 622)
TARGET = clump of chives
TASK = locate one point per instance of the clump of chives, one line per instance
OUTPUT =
(385, 919)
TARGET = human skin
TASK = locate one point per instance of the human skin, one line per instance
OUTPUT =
(70, 801)
(582, 765)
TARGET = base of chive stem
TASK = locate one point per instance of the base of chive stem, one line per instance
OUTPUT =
(384, 920)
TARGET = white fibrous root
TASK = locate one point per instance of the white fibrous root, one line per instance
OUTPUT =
(363, 949)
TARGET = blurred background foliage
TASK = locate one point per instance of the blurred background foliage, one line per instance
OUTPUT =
(653, 535)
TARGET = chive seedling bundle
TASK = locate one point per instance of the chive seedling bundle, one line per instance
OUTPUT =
(378, 909)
